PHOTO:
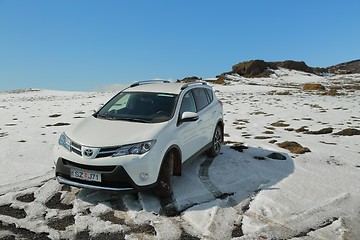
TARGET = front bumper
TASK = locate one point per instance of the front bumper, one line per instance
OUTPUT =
(113, 178)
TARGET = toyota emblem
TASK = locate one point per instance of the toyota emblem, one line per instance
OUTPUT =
(88, 152)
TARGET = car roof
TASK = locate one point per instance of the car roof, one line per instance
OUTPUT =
(163, 87)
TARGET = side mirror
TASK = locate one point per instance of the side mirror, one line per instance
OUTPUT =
(189, 117)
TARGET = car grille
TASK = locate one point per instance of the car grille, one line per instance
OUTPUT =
(76, 148)
(107, 152)
(89, 167)
(104, 152)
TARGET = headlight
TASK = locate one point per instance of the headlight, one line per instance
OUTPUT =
(134, 149)
(64, 141)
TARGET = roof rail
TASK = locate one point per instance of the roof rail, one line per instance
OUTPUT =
(147, 82)
(193, 83)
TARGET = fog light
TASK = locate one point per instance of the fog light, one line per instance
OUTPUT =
(144, 176)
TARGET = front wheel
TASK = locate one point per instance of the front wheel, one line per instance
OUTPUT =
(164, 188)
(216, 142)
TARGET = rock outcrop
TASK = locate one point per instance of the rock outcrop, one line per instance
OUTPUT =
(345, 68)
(260, 68)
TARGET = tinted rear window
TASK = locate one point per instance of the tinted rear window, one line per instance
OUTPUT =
(201, 98)
(210, 94)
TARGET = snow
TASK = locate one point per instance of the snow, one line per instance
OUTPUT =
(238, 195)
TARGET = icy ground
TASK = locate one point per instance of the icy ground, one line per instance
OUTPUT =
(247, 192)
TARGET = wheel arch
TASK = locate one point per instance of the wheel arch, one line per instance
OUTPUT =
(177, 164)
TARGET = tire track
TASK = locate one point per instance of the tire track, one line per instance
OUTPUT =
(208, 184)
(272, 228)
(204, 177)
(227, 198)
(230, 202)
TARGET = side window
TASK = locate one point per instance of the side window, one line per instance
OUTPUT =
(210, 94)
(201, 98)
(188, 103)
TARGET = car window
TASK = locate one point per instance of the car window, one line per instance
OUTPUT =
(120, 103)
(201, 98)
(188, 103)
(140, 106)
(210, 94)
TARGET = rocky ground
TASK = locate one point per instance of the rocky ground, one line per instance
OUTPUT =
(289, 169)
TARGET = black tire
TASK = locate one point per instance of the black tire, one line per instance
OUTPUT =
(216, 142)
(164, 186)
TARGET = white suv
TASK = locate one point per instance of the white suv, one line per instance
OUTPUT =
(141, 137)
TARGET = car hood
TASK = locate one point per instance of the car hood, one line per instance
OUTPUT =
(94, 132)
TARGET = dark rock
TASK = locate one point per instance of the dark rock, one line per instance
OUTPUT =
(253, 68)
(55, 203)
(220, 79)
(109, 216)
(189, 79)
(313, 87)
(345, 68)
(27, 198)
(280, 124)
(260, 68)
(239, 147)
(55, 115)
(12, 212)
(237, 231)
(302, 129)
(276, 156)
(21, 233)
(61, 223)
(321, 131)
(348, 132)
(294, 147)
(294, 65)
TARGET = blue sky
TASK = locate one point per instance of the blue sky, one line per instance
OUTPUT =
(83, 45)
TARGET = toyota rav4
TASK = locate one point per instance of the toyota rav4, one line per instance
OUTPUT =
(140, 138)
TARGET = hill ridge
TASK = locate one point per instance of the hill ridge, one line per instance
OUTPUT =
(260, 68)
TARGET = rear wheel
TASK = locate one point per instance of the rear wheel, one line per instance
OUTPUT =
(216, 142)
(164, 186)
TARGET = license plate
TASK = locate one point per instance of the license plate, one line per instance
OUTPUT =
(85, 175)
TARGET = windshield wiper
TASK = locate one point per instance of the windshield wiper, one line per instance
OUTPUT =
(100, 115)
(105, 116)
(133, 119)
(112, 117)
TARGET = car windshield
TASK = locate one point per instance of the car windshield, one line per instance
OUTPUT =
(139, 107)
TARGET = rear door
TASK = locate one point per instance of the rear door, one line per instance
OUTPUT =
(206, 121)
